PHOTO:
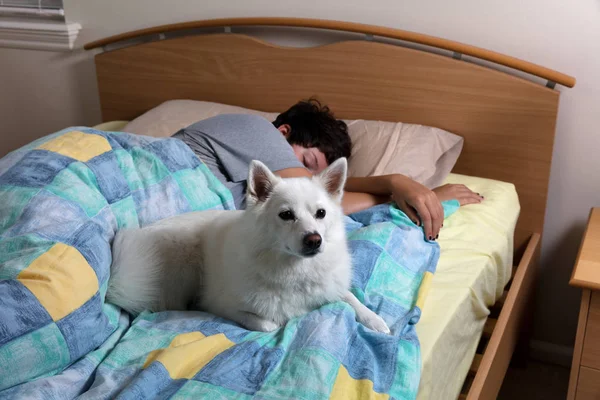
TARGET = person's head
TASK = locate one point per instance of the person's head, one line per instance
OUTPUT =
(318, 139)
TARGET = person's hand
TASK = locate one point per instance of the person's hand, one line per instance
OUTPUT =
(463, 194)
(420, 204)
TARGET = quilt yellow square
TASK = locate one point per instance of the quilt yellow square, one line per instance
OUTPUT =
(78, 145)
(348, 388)
(188, 353)
(61, 279)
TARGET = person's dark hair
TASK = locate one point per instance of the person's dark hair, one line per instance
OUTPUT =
(314, 125)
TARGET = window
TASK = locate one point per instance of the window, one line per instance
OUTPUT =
(39, 9)
(36, 24)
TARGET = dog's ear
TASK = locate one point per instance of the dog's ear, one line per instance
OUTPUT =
(260, 182)
(333, 178)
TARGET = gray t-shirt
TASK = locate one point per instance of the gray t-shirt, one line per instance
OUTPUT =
(228, 143)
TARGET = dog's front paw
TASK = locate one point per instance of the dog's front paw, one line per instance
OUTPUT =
(254, 322)
(259, 324)
(266, 326)
(374, 322)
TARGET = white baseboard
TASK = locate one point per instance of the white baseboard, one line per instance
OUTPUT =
(551, 353)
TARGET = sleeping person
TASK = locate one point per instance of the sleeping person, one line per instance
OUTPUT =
(303, 141)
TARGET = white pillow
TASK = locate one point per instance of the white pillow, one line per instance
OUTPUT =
(423, 153)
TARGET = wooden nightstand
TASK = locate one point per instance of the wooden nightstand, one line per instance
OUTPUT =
(585, 371)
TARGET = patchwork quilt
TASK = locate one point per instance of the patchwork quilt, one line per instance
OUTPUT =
(63, 197)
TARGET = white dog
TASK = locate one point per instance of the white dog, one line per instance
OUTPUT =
(283, 257)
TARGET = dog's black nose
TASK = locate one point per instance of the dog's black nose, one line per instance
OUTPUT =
(312, 241)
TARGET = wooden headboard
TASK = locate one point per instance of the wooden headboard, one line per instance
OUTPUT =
(507, 122)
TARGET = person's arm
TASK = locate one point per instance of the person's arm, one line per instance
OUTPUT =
(357, 201)
(293, 173)
(419, 203)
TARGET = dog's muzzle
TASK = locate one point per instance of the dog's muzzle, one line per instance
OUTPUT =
(311, 243)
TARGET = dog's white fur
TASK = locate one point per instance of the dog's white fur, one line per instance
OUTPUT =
(251, 266)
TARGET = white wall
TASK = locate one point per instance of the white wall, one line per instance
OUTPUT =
(42, 92)
(559, 35)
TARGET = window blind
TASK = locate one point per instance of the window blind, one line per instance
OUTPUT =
(42, 9)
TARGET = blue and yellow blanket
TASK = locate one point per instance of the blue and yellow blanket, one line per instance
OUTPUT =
(63, 197)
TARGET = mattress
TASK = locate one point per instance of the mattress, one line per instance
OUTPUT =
(475, 265)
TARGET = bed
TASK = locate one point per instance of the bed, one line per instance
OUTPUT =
(507, 122)
(479, 300)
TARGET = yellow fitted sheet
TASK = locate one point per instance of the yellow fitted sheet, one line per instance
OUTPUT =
(475, 265)
(111, 126)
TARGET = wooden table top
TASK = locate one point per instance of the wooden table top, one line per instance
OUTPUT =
(586, 273)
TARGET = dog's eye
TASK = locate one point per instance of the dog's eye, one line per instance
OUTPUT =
(320, 213)
(287, 215)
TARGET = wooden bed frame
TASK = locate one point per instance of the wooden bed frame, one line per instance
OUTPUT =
(507, 122)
